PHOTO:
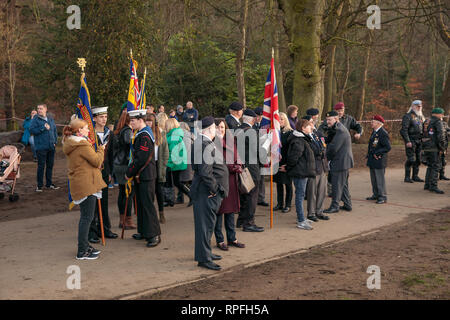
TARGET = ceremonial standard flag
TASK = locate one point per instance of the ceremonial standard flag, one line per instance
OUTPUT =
(271, 116)
(84, 110)
(134, 97)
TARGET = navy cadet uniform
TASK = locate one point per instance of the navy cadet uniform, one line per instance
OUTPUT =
(209, 187)
(143, 169)
(379, 146)
(103, 139)
(446, 135)
(433, 146)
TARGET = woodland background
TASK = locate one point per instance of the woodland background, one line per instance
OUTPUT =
(215, 52)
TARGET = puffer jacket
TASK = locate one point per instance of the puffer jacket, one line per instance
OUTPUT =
(83, 165)
(300, 157)
(177, 150)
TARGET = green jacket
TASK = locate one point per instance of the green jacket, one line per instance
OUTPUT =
(177, 150)
(163, 157)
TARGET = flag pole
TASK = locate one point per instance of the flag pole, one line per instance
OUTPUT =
(271, 166)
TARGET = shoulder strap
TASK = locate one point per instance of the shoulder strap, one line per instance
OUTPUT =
(144, 166)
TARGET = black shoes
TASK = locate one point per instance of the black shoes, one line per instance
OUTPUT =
(372, 198)
(436, 190)
(215, 256)
(323, 217)
(331, 210)
(252, 228)
(88, 255)
(110, 235)
(346, 208)
(313, 218)
(408, 179)
(425, 187)
(417, 179)
(286, 210)
(381, 201)
(153, 242)
(210, 265)
(444, 178)
(94, 240)
(278, 207)
(137, 236)
(263, 203)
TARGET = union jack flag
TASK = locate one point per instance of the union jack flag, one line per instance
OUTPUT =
(271, 116)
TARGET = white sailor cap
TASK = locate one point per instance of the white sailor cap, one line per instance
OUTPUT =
(99, 110)
(139, 113)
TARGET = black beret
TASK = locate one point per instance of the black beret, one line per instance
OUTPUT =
(259, 111)
(249, 113)
(207, 122)
(332, 114)
(307, 117)
(312, 112)
(235, 106)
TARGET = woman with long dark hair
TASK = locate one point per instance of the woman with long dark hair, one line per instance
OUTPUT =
(121, 154)
(161, 157)
(231, 204)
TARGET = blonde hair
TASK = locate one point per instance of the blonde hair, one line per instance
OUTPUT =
(73, 127)
(161, 119)
(287, 126)
(172, 123)
(184, 126)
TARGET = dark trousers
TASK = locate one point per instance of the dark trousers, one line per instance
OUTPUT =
(378, 183)
(434, 164)
(147, 219)
(339, 189)
(413, 158)
(205, 215)
(443, 164)
(122, 199)
(46, 158)
(248, 206)
(87, 209)
(229, 228)
(281, 200)
(173, 179)
(95, 228)
(159, 192)
(262, 190)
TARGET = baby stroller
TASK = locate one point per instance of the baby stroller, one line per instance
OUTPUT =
(9, 171)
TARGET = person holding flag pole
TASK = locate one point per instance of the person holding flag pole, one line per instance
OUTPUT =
(84, 161)
(271, 122)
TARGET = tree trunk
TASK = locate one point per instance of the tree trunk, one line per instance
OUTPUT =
(329, 75)
(434, 62)
(343, 87)
(362, 100)
(303, 21)
(279, 74)
(445, 99)
(240, 58)
(11, 28)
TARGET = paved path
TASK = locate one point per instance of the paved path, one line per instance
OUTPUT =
(35, 253)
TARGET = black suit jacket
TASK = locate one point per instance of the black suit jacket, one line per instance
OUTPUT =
(379, 146)
(232, 122)
(209, 178)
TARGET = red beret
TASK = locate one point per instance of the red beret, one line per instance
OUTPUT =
(378, 118)
(339, 106)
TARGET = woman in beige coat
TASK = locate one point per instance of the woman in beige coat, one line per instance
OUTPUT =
(85, 180)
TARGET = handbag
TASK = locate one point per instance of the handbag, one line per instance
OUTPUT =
(246, 183)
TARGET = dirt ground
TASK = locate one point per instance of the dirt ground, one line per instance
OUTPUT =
(414, 261)
(32, 204)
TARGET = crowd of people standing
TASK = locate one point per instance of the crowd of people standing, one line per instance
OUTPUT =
(150, 155)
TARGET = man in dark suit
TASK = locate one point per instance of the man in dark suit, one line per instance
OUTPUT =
(209, 188)
(232, 119)
(248, 142)
(340, 157)
(379, 146)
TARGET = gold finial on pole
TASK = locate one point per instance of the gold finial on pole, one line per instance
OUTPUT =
(81, 63)
(272, 52)
(131, 53)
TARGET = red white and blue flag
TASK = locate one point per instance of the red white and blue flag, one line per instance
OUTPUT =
(134, 95)
(271, 116)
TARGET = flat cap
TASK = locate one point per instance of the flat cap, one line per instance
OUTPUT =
(235, 106)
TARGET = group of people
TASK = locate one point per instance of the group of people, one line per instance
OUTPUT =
(207, 160)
